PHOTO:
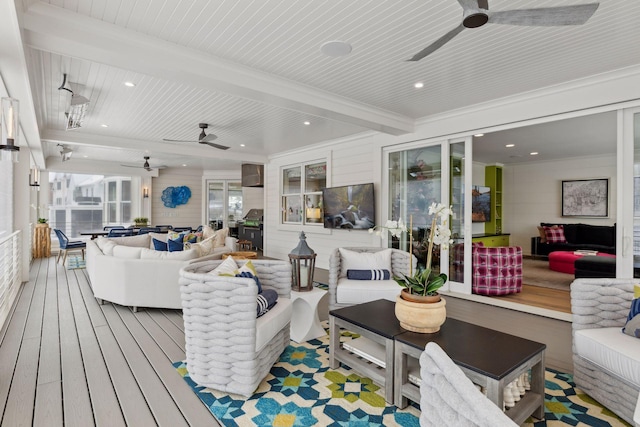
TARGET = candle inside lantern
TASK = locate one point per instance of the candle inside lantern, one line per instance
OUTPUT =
(304, 276)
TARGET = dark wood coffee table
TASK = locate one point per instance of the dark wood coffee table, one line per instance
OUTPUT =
(376, 321)
(489, 358)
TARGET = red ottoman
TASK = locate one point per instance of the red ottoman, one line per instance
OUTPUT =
(563, 261)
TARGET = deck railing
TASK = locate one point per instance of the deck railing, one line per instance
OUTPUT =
(10, 271)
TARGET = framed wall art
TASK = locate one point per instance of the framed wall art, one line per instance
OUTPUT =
(586, 198)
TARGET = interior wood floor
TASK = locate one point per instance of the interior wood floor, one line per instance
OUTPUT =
(68, 361)
(552, 299)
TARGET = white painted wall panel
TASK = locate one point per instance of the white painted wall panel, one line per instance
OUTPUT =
(183, 215)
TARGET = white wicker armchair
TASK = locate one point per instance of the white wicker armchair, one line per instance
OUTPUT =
(449, 399)
(228, 347)
(399, 265)
(601, 304)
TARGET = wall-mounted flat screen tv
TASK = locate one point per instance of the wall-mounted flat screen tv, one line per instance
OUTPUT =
(349, 207)
(480, 204)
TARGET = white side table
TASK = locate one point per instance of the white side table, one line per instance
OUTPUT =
(305, 323)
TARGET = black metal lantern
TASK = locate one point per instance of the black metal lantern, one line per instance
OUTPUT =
(303, 260)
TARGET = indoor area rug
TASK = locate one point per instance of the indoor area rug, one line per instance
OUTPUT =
(75, 261)
(536, 272)
(301, 390)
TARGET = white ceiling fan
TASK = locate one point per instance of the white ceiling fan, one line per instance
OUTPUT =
(476, 13)
(203, 138)
(146, 166)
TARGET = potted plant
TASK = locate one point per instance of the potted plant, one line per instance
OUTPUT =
(42, 222)
(140, 221)
(419, 307)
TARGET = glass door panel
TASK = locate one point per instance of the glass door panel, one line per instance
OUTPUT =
(457, 193)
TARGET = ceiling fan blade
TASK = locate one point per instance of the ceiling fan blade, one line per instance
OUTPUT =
(545, 17)
(218, 146)
(131, 166)
(208, 138)
(437, 44)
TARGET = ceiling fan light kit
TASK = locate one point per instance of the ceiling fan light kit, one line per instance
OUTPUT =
(476, 13)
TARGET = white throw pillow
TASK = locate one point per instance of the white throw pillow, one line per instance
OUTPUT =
(228, 266)
(220, 237)
(205, 247)
(127, 252)
(352, 260)
(108, 248)
(141, 241)
(208, 232)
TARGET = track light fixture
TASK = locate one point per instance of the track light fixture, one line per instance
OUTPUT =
(77, 109)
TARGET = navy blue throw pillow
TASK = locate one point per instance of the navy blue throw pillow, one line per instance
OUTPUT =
(251, 276)
(175, 245)
(266, 300)
(159, 245)
(368, 274)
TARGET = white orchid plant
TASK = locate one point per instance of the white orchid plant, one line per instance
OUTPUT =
(424, 282)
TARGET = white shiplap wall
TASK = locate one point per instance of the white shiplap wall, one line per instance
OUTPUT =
(533, 194)
(354, 161)
(183, 215)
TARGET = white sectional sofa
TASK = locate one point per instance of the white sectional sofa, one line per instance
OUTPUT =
(606, 361)
(128, 271)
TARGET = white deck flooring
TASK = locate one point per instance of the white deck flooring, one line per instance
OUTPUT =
(65, 360)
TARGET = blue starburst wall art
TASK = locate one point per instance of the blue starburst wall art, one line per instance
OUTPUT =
(175, 196)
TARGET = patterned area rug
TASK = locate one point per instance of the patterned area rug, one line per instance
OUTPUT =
(301, 390)
(75, 261)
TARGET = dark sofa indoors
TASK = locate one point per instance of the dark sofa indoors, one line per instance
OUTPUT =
(601, 238)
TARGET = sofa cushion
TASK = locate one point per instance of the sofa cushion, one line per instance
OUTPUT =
(175, 245)
(542, 234)
(274, 321)
(612, 350)
(142, 240)
(108, 248)
(220, 237)
(127, 252)
(595, 235)
(352, 260)
(205, 247)
(359, 291)
(207, 232)
(555, 234)
(159, 245)
(177, 256)
(101, 241)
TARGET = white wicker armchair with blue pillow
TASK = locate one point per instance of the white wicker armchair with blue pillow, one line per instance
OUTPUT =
(230, 343)
(356, 262)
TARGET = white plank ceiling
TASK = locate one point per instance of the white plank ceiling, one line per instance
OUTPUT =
(253, 70)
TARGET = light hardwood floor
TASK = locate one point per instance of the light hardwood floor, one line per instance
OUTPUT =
(68, 361)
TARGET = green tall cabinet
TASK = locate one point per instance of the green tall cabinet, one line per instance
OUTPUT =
(493, 180)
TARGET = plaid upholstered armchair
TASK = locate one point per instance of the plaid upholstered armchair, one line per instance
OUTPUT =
(496, 270)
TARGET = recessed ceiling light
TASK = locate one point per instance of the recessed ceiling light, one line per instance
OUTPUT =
(241, 145)
(104, 126)
(510, 145)
(307, 123)
(184, 164)
(129, 84)
(479, 135)
(85, 156)
(418, 85)
(534, 153)
(335, 48)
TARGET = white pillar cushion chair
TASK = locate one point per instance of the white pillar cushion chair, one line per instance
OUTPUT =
(345, 291)
(228, 347)
(606, 361)
(449, 399)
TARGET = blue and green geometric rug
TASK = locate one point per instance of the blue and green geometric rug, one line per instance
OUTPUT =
(301, 390)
